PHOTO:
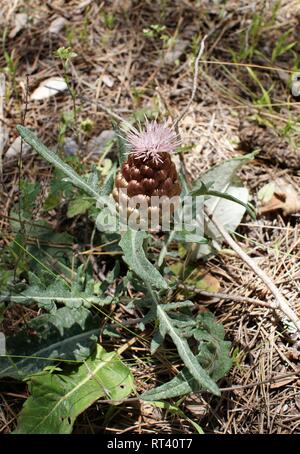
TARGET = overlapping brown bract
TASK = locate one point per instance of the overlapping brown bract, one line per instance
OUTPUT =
(145, 178)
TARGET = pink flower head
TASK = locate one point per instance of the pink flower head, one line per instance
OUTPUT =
(155, 139)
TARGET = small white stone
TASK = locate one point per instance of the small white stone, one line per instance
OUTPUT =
(57, 25)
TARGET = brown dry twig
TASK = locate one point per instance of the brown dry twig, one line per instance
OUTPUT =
(3, 132)
(186, 109)
(195, 84)
(225, 296)
(280, 301)
(270, 380)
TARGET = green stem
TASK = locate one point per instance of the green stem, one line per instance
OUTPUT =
(164, 250)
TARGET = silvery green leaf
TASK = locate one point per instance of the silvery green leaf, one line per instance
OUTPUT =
(134, 255)
(59, 292)
(29, 137)
(108, 184)
(93, 179)
(149, 317)
(57, 399)
(188, 237)
(123, 151)
(64, 335)
(184, 351)
(178, 305)
(158, 338)
(213, 356)
(222, 178)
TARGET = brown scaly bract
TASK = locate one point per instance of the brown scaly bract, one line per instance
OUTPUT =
(149, 170)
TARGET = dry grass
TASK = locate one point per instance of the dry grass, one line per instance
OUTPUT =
(141, 77)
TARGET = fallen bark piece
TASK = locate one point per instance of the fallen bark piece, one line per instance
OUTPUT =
(57, 25)
(283, 382)
(285, 198)
(273, 147)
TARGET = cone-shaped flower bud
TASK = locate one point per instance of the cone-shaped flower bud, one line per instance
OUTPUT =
(148, 171)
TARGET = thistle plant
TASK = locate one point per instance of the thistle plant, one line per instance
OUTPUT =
(148, 177)
(146, 172)
(158, 286)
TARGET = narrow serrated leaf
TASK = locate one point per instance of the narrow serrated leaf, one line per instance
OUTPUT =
(67, 334)
(54, 159)
(108, 184)
(123, 152)
(58, 291)
(29, 137)
(179, 386)
(177, 411)
(222, 179)
(134, 255)
(214, 357)
(184, 351)
(178, 305)
(158, 338)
